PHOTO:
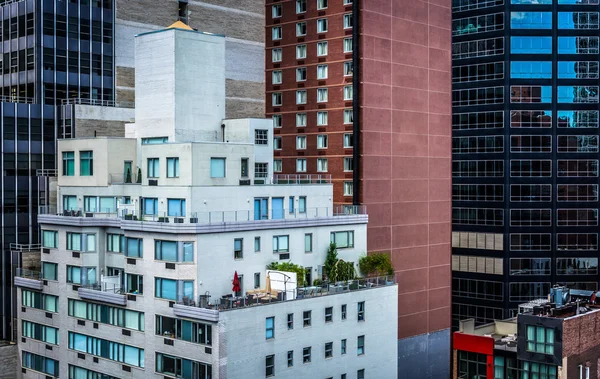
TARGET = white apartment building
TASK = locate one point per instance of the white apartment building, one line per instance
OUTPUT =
(140, 259)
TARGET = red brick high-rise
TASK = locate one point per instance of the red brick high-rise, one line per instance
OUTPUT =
(360, 90)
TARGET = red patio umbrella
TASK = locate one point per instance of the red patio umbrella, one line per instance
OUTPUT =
(236, 283)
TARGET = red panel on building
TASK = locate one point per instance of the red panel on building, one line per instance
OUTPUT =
(473, 344)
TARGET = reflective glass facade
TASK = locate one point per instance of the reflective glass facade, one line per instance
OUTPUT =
(525, 152)
(51, 51)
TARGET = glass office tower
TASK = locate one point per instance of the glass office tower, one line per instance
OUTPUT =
(525, 152)
(51, 51)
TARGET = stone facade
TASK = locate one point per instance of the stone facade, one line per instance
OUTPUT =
(581, 345)
(9, 361)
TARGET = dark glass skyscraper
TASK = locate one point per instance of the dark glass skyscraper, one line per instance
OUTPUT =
(52, 50)
(525, 152)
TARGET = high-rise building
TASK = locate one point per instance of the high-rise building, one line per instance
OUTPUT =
(167, 257)
(68, 71)
(360, 90)
(525, 152)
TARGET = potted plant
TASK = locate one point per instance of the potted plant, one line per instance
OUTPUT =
(128, 176)
(139, 176)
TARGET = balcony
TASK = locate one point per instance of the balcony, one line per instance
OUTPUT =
(29, 279)
(100, 103)
(125, 178)
(341, 213)
(209, 311)
(109, 291)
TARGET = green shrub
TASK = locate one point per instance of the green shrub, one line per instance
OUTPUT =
(290, 267)
(376, 264)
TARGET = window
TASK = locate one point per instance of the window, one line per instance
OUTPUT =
(86, 163)
(169, 365)
(290, 358)
(270, 327)
(360, 311)
(277, 165)
(343, 313)
(300, 77)
(577, 192)
(342, 239)
(276, 33)
(530, 144)
(300, 165)
(81, 275)
(348, 45)
(301, 50)
(172, 167)
(150, 206)
(302, 204)
(172, 289)
(277, 76)
(300, 142)
(290, 321)
(276, 10)
(488, 95)
(576, 266)
(276, 143)
(256, 244)
(33, 299)
(301, 96)
(153, 168)
(578, 119)
(308, 242)
(81, 242)
(281, 244)
(530, 70)
(176, 207)
(540, 339)
(106, 314)
(328, 350)
(348, 141)
(291, 204)
(322, 71)
(329, 314)
(578, 20)
(276, 97)
(521, 94)
(269, 366)
(525, 291)
(360, 374)
(306, 318)
(300, 6)
(360, 345)
(68, 167)
(80, 372)
(322, 49)
(276, 54)
(348, 188)
(483, 48)
(40, 363)
(577, 70)
(343, 347)
(217, 167)
(238, 252)
(322, 118)
(322, 165)
(261, 169)
(134, 284)
(300, 119)
(322, 141)
(173, 251)
(348, 68)
(321, 25)
(578, 144)
(321, 4)
(50, 239)
(107, 349)
(300, 29)
(261, 136)
(578, 45)
(348, 164)
(277, 121)
(322, 95)
(348, 93)
(577, 94)
(306, 355)
(348, 21)
(347, 2)
(134, 247)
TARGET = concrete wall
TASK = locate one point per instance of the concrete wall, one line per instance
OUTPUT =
(98, 121)
(241, 21)
(424, 356)
(246, 344)
(9, 362)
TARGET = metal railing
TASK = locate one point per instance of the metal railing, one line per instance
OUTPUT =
(300, 179)
(28, 274)
(25, 247)
(251, 299)
(7, 2)
(124, 178)
(97, 102)
(16, 99)
(214, 217)
(46, 172)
